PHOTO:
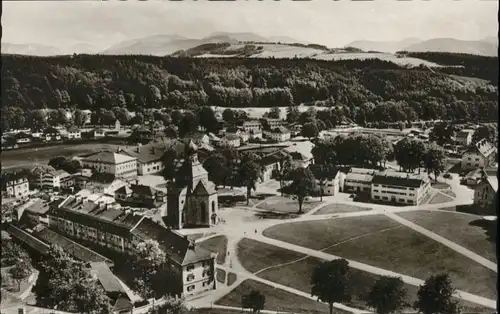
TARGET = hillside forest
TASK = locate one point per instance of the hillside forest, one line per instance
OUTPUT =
(361, 90)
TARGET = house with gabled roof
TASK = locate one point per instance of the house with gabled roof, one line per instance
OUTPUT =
(486, 190)
(23, 138)
(140, 195)
(479, 155)
(51, 134)
(73, 132)
(398, 187)
(121, 166)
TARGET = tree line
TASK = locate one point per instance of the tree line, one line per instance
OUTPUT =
(365, 89)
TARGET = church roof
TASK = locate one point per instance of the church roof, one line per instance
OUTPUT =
(204, 188)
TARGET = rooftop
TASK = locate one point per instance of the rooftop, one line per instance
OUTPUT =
(39, 207)
(108, 157)
(177, 247)
(107, 279)
(400, 178)
(232, 137)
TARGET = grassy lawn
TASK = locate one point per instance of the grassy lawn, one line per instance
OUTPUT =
(321, 234)
(218, 245)
(255, 255)
(42, 155)
(382, 245)
(286, 205)
(471, 232)
(339, 208)
(297, 274)
(276, 299)
(440, 198)
(220, 275)
(231, 278)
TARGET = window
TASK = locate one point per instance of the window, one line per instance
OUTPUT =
(190, 267)
(377, 197)
(385, 198)
(375, 191)
(190, 288)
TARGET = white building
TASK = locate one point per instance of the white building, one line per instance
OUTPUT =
(331, 185)
(74, 133)
(252, 126)
(121, 166)
(51, 134)
(480, 155)
(241, 133)
(22, 138)
(275, 123)
(359, 180)
(230, 141)
(255, 134)
(464, 137)
(54, 179)
(99, 133)
(278, 134)
(17, 188)
(398, 187)
(301, 153)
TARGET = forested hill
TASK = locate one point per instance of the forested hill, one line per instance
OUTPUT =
(373, 89)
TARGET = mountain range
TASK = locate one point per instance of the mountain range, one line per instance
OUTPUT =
(485, 47)
(161, 45)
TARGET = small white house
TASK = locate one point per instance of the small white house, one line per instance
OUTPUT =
(464, 137)
(279, 134)
(480, 155)
(99, 133)
(51, 134)
(74, 133)
(22, 138)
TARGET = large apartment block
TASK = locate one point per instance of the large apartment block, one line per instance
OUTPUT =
(192, 265)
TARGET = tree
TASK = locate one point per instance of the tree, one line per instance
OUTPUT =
(228, 115)
(284, 171)
(66, 284)
(208, 120)
(484, 131)
(254, 300)
(149, 260)
(170, 306)
(58, 162)
(249, 172)
(215, 165)
(331, 283)
(38, 119)
(441, 133)
(274, 113)
(170, 132)
(170, 160)
(322, 172)
(409, 153)
(80, 118)
(310, 130)
(435, 296)
(303, 185)
(12, 252)
(388, 295)
(188, 124)
(434, 160)
(21, 269)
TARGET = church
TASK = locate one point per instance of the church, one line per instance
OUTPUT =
(191, 197)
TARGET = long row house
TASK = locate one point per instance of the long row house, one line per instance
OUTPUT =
(388, 186)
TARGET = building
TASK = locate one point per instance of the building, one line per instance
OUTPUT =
(230, 140)
(252, 125)
(74, 133)
(109, 282)
(270, 163)
(331, 185)
(255, 134)
(398, 187)
(464, 137)
(296, 129)
(192, 198)
(22, 138)
(51, 134)
(301, 153)
(275, 123)
(486, 191)
(278, 134)
(148, 157)
(241, 133)
(121, 166)
(479, 155)
(359, 180)
(17, 187)
(140, 195)
(54, 179)
(36, 212)
(192, 267)
(200, 139)
(98, 133)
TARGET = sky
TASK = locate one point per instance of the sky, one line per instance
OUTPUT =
(97, 25)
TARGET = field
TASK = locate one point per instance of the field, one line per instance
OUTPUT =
(339, 208)
(218, 245)
(383, 243)
(469, 231)
(276, 299)
(294, 270)
(41, 155)
(286, 205)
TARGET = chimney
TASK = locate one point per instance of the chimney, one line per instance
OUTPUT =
(138, 149)
(191, 245)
